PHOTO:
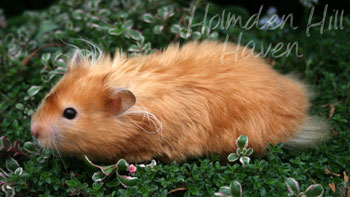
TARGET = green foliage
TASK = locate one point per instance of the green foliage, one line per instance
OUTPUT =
(242, 152)
(312, 191)
(234, 190)
(121, 165)
(33, 55)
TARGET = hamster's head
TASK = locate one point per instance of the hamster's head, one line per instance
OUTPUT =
(82, 114)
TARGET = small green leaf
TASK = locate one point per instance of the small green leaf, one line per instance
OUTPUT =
(59, 70)
(219, 194)
(33, 90)
(98, 176)
(29, 147)
(185, 35)
(45, 58)
(123, 15)
(240, 151)
(19, 171)
(236, 189)
(214, 36)
(249, 152)
(127, 180)
(225, 190)
(244, 160)
(148, 18)
(11, 164)
(96, 26)
(196, 35)
(166, 12)
(32, 45)
(162, 13)
(128, 24)
(30, 112)
(135, 35)
(158, 29)
(122, 165)
(116, 31)
(243, 151)
(242, 141)
(175, 29)
(61, 63)
(107, 170)
(232, 157)
(146, 46)
(8, 190)
(133, 48)
(280, 145)
(153, 163)
(104, 12)
(292, 186)
(78, 14)
(90, 163)
(314, 190)
(19, 106)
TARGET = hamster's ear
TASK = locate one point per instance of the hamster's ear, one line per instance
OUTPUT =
(120, 100)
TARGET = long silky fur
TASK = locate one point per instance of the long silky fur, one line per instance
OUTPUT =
(190, 101)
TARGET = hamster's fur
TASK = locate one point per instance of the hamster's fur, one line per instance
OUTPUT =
(178, 103)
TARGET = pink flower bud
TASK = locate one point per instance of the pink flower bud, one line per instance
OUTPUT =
(132, 168)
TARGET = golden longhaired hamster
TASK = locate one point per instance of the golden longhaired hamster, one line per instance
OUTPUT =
(178, 103)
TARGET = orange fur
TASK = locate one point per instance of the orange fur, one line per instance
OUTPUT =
(199, 99)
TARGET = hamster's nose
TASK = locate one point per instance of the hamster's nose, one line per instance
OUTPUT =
(35, 128)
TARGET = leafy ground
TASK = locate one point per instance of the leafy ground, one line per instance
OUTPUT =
(33, 50)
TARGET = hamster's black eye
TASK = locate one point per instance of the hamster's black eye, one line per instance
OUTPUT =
(69, 113)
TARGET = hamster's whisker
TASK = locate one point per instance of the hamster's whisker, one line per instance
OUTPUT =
(145, 130)
(94, 54)
(157, 122)
(151, 118)
(50, 147)
(59, 155)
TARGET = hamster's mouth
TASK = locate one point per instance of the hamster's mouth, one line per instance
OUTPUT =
(49, 141)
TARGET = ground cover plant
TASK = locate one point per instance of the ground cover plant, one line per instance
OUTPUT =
(35, 46)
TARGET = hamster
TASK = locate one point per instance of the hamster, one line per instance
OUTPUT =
(173, 104)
